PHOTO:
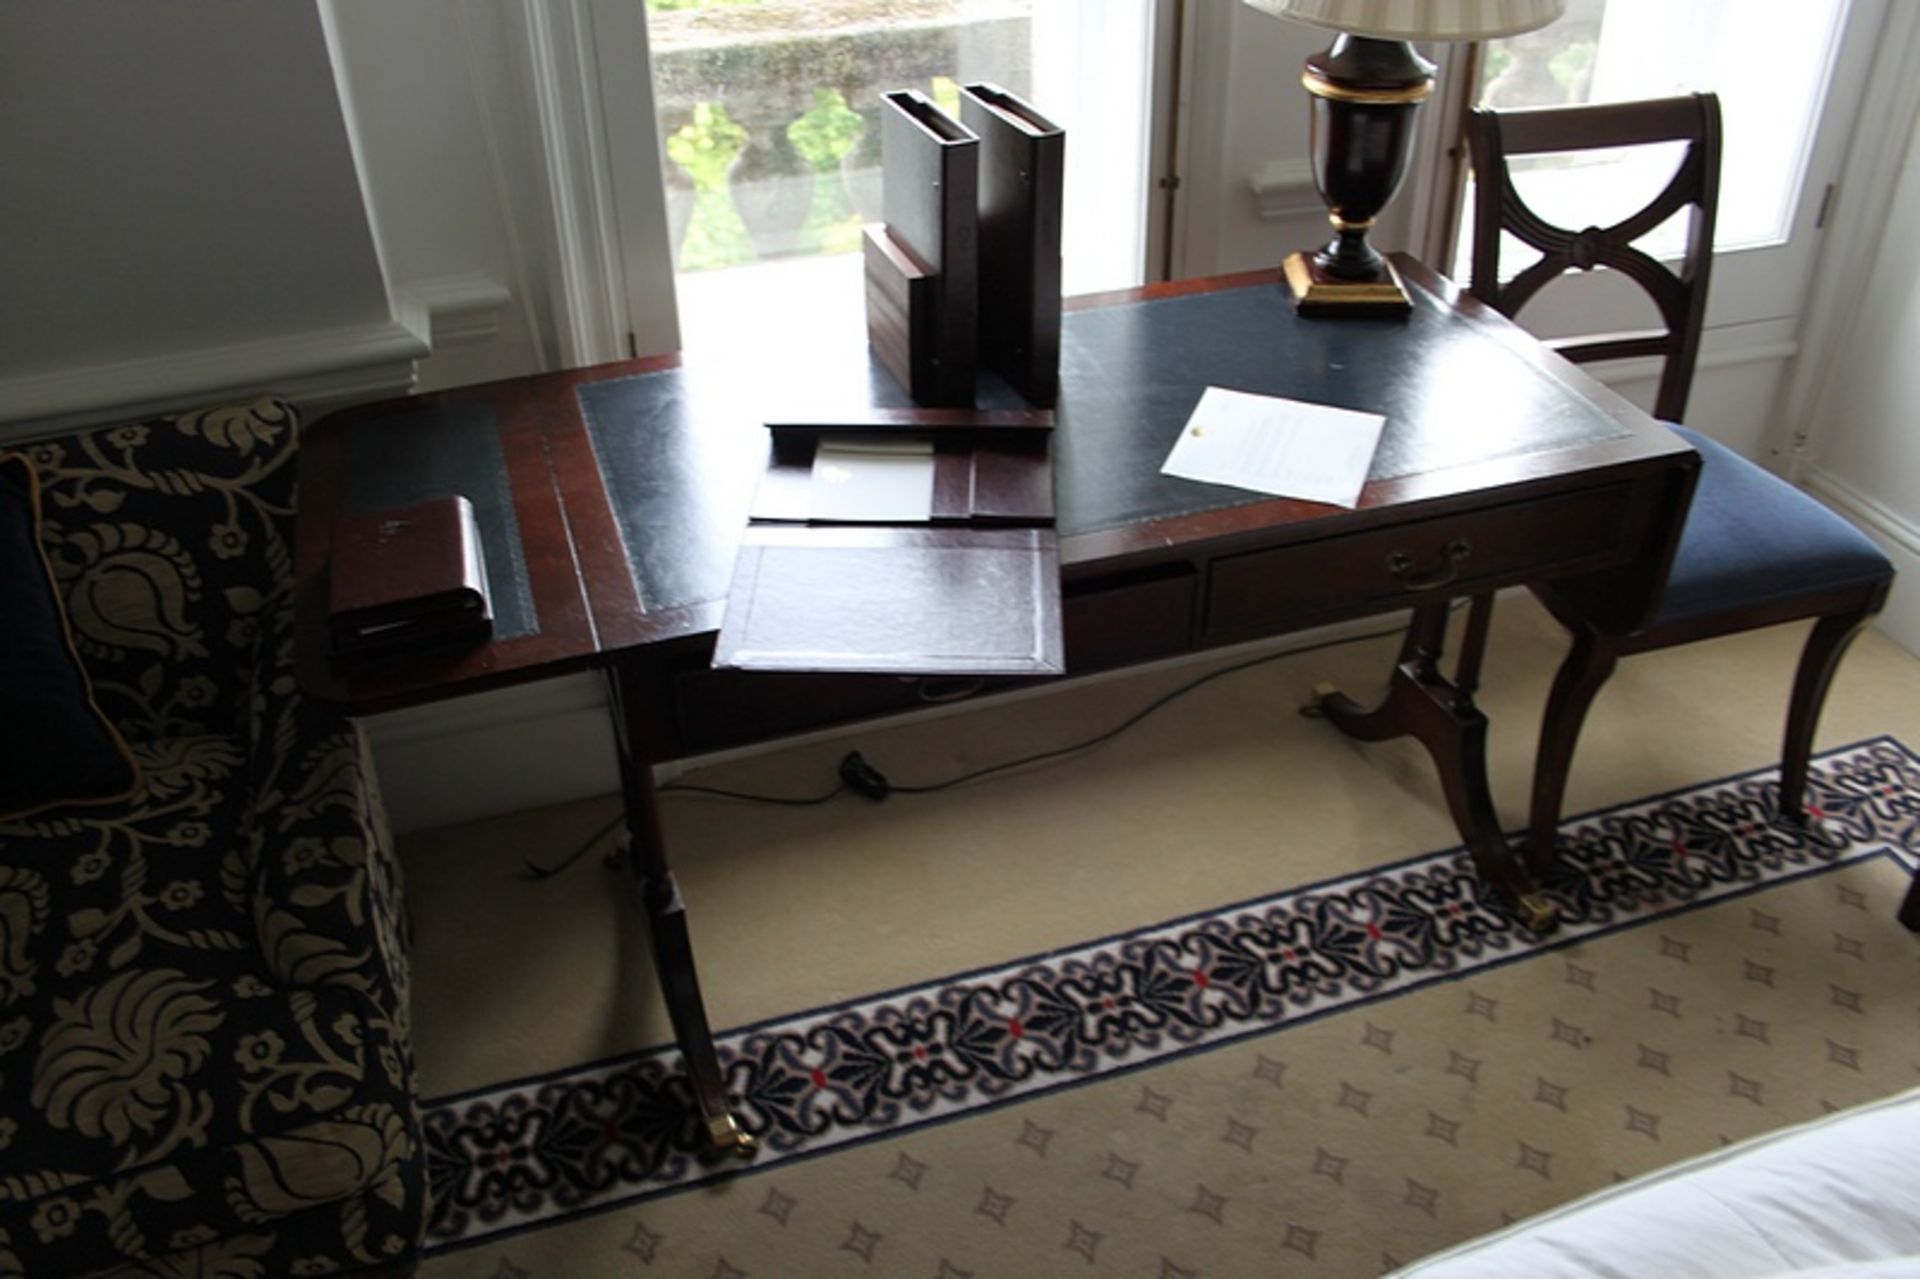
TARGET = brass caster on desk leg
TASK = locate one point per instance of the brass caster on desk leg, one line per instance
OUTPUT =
(1316, 708)
(726, 1136)
(1537, 914)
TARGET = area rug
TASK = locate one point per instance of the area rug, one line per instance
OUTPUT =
(1297, 1083)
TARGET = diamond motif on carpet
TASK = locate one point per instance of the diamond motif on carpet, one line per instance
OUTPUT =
(533, 1152)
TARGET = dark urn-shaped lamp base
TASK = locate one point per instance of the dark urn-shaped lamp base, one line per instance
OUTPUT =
(1365, 93)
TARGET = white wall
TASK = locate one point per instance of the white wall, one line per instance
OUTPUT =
(434, 105)
(1866, 441)
(179, 212)
(1871, 442)
(1247, 119)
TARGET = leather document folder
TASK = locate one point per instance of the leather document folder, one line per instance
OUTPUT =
(999, 469)
(922, 265)
(972, 589)
(1023, 159)
(408, 577)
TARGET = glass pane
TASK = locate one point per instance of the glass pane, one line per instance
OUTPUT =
(1767, 59)
(769, 121)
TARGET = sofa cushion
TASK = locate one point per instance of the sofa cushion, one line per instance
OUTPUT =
(166, 538)
(55, 745)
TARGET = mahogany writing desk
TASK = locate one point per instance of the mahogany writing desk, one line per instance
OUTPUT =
(611, 500)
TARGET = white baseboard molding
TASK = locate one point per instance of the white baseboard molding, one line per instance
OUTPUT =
(313, 368)
(552, 742)
(1895, 534)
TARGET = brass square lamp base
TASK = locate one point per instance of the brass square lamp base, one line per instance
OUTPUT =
(1317, 293)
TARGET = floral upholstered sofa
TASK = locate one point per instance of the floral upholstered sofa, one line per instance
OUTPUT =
(205, 1065)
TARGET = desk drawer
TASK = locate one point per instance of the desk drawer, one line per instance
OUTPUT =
(1128, 618)
(1392, 567)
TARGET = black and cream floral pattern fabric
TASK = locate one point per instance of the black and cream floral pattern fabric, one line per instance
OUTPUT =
(204, 1053)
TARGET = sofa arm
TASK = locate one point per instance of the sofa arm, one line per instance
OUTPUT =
(326, 885)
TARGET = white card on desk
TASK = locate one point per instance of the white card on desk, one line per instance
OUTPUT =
(1272, 445)
(861, 480)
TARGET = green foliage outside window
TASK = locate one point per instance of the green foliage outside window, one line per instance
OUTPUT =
(946, 93)
(823, 137)
(706, 148)
(1572, 66)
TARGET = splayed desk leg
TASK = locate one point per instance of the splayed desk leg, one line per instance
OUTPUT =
(1439, 713)
(646, 856)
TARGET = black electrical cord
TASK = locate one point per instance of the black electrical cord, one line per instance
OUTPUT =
(535, 871)
(1103, 738)
(804, 801)
(861, 777)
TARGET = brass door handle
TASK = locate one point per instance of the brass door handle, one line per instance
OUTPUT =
(1454, 557)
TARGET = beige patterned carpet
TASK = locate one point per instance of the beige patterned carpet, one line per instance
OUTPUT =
(1375, 1119)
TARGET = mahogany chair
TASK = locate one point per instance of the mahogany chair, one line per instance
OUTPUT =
(1755, 551)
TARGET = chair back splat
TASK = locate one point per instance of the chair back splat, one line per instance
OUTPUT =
(1494, 138)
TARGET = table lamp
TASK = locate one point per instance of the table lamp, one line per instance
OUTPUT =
(1365, 89)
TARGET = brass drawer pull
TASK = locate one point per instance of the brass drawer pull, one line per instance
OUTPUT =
(1455, 555)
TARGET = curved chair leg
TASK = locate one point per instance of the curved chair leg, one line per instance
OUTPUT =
(1586, 668)
(1818, 660)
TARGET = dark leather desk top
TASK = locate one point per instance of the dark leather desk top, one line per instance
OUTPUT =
(629, 483)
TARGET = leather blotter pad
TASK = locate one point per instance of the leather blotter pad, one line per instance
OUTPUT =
(425, 451)
(1131, 375)
(892, 600)
(407, 578)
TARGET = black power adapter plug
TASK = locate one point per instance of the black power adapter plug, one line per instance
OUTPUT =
(863, 778)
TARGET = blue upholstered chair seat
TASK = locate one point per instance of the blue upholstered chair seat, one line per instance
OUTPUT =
(1752, 538)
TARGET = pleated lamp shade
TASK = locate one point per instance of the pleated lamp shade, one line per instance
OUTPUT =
(1419, 19)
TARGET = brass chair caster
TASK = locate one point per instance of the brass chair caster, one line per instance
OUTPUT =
(1538, 915)
(726, 1135)
(1321, 692)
